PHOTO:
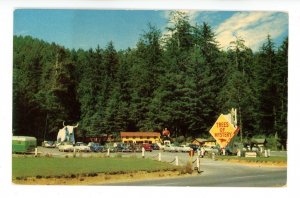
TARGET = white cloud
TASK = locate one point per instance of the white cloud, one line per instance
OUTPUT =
(253, 27)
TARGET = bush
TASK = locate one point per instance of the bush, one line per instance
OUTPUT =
(188, 168)
(273, 142)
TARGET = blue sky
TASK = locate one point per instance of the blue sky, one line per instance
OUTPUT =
(88, 28)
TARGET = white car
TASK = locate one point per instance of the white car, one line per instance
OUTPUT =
(184, 148)
(65, 146)
(48, 144)
(82, 147)
(170, 148)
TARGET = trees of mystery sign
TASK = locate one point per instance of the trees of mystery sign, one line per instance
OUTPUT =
(223, 131)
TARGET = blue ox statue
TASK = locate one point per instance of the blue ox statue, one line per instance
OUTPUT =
(66, 134)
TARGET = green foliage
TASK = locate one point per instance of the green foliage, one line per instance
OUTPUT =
(274, 142)
(181, 81)
(179, 139)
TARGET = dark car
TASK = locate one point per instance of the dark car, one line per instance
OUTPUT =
(95, 147)
(119, 148)
(127, 148)
(154, 146)
(194, 147)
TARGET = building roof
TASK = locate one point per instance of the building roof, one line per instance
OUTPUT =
(140, 134)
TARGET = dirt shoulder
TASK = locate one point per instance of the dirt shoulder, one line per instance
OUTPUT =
(100, 178)
(256, 164)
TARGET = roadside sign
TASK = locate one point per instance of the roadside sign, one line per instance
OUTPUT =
(223, 131)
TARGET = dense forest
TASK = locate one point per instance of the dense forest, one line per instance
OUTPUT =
(182, 81)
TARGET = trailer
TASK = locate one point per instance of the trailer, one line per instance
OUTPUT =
(23, 144)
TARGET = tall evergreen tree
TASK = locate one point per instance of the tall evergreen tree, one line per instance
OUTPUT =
(145, 72)
(238, 91)
(282, 84)
(268, 91)
(209, 67)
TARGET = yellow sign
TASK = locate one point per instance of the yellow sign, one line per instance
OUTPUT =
(223, 131)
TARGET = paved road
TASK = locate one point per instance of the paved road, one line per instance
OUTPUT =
(223, 174)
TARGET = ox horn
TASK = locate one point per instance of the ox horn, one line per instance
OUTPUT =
(64, 123)
(76, 125)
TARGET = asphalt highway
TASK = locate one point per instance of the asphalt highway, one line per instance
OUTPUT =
(222, 174)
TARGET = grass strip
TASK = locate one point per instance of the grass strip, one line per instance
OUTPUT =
(41, 166)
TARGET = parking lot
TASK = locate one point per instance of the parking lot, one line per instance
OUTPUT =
(183, 158)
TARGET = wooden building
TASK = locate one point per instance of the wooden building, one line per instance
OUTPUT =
(140, 137)
(204, 142)
(102, 138)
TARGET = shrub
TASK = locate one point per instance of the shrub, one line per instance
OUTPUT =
(188, 168)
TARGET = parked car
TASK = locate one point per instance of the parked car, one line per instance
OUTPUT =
(65, 146)
(184, 148)
(119, 148)
(147, 147)
(127, 148)
(170, 148)
(155, 146)
(82, 147)
(111, 148)
(137, 148)
(212, 149)
(194, 147)
(48, 144)
(95, 147)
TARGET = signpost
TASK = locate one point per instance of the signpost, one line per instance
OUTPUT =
(223, 131)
